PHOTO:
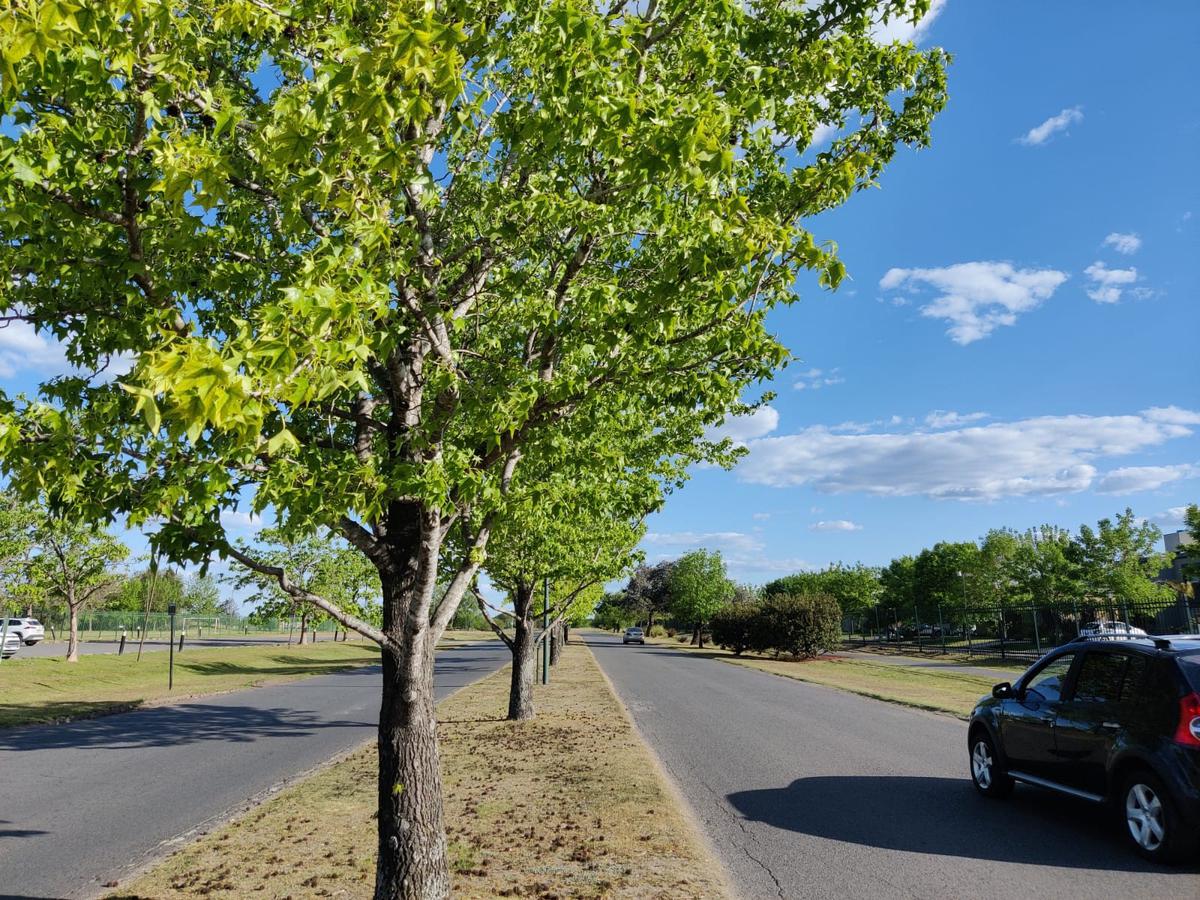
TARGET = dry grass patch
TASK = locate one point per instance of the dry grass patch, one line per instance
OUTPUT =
(568, 805)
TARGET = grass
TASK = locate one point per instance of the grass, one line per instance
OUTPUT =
(570, 804)
(952, 692)
(49, 689)
(955, 693)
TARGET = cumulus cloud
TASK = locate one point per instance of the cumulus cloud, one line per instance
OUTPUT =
(235, 520)
(835, 525)
(1041, 456)
(761, 516)
(904, 30)
(941, 418)
(1123, 243)
(977, 297)
(1109, 283)
(712, 540)
(1039, 134)
(1172, 517)
(22, 348)
(1132, 479)
(741, 429)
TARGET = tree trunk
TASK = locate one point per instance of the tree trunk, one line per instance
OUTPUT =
(303, 622)
(556, 635)
(700, 634)
(649, 622)
(695, 635)
(73, 639)
(524, 671)
(412, 861)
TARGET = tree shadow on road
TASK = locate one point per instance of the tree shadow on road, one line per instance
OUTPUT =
(169, 726)
(944, 816)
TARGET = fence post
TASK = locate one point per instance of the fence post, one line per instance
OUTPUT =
(181, 634)
(1037, 639)
(917, 626)
(1075, 614)
(1003, 631)
(121, 649)
(941, 628)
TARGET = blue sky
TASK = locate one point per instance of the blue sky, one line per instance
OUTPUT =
(1067, 123)
(1017, 342)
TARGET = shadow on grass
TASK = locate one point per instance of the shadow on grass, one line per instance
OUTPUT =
(281, 664)
(945, 816)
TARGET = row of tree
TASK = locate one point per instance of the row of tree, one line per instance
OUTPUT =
(448, 273)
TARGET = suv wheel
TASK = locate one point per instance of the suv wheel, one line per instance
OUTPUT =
(986, 774)
(1151, 822)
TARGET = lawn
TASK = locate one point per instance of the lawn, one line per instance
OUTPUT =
(571, 804)
(49, 689)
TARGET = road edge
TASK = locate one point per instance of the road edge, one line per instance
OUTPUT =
(673, 790)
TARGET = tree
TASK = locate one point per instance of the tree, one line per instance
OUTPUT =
(613, 613)
(898, 581)
(439, 236)
(17, 522)
(649, 591)
(952, 574)
(134, 593)
(75, 563)
(800, 625)
(699, 588)
(1119, 559)
(1191, 518)
(202, 596)
(735, 625)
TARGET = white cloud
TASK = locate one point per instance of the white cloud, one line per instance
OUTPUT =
(1040, 456)
(1123, 243)
(815, 379)
(941, 418)
(978, 297)
(835, 525)
(904, 30)
(1132, 479)
(235, 520)
(22, 348)
(741, 429)
(1172, 517)
(761, 517)
(1042, 133)
(1109, 282)
(712, 540)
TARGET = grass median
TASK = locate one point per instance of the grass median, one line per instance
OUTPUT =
(49, 689)
(570, 804)
(952, 692)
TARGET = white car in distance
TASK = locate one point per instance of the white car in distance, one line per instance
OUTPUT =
(1110, 630)
(28, 631)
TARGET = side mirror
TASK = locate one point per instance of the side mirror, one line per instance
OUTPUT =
(1003, 691)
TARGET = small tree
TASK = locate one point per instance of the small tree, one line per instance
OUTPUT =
(699, 588)
(75, 562)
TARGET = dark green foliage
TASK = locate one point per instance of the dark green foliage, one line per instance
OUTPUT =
(793, 624)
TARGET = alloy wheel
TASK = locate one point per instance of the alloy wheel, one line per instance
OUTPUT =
(1144, 816)
(981, 764)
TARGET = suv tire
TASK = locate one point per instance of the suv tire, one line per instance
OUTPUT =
(987, 774)
(1150, 819)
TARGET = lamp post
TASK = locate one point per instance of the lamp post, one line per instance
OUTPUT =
(171, 660)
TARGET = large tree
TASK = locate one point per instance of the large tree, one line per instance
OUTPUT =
(366, 252)
(699, 588)
(648, 592)
(1120, 558)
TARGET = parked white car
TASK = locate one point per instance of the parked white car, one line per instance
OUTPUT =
(1111, 630)
(29, 631)
(12, 644)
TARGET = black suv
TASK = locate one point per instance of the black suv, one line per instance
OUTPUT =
(1113, 721)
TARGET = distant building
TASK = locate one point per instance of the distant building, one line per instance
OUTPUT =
(1177, 539)
(1183, 547)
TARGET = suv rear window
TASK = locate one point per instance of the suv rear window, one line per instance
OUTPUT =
(1100, 677)
(1190, 664)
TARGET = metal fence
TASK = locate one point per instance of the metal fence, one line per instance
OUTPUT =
(111, 624)
(1020, 633)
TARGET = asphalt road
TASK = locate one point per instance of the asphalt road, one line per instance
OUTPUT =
(806, 791)
(89, 802)
(59, 648)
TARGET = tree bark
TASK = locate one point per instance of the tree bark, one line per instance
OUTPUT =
(696, 635)
(700, 634)
(524, 664)
(412, 861)
(73, 639)
(303, 622)
(556, 642)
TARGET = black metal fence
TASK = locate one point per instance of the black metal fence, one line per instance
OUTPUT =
(1020, 633)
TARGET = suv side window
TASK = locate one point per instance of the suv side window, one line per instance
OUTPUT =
(1100, 677)
(1047, 684)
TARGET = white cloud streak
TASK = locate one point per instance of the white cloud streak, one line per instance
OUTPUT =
(1039, 134)
(976, 298)
(1041, 456)
(1134, 479)
(941, 418)
(741, 429)
(835, 525)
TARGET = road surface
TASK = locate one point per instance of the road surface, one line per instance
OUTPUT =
(809, 792)
(88, 802)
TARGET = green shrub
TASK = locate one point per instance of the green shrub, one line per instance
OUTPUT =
(799, 625)
(735, 626)
(656, 631)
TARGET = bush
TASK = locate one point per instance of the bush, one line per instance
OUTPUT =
(656, 631)
(734, 627)
(671, 632)
(800, 625)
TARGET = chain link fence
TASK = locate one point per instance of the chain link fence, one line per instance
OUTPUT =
(106, 625)
(1020, 633)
